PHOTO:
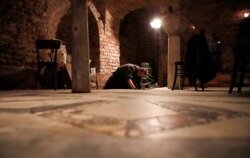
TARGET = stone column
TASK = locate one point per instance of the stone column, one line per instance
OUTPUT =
(174, 54)
(173, 25)
(163, 57)
(80, 47)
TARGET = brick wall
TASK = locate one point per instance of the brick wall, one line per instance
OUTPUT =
(22, 22)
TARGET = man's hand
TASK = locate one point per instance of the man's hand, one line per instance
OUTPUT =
(131, 84)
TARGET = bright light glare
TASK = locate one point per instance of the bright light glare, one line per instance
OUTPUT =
(156, 23)
(246, 15)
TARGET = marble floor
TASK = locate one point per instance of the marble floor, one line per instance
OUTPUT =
(156, 123)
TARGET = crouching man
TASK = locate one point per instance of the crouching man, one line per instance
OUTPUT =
(127, 76)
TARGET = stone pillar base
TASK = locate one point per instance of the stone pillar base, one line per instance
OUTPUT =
(173, 56)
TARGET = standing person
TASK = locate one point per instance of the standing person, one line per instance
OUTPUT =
(127, 76)
(199, 60)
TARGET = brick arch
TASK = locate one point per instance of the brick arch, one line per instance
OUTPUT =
(116, 12)
(56, 9)
(97, 12)
(138, 41)
(64, 32)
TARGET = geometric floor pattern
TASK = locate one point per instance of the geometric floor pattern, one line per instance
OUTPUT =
(186, 116)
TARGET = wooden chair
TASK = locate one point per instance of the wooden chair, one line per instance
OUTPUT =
(240, 68)
(47, 68)
(180, 71)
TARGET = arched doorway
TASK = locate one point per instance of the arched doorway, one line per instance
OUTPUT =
(140, 43)
(64, 32)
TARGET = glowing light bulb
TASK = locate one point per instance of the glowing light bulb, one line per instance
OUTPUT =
(246, 14)
(156, 23)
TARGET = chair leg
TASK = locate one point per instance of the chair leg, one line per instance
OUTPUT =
(175, 76)
(202, 86)
(242, 70)
(240, 82)
(195, 85)
(233, 78)
(63, 76)
(37, 78)
(232, 82)
(182, 81)
(97, 86)
(55, 78)
(46, 78)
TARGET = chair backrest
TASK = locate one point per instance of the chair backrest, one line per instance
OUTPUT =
(52, 45)
(48, 44)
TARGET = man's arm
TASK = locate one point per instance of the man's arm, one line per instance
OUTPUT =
(131, 84)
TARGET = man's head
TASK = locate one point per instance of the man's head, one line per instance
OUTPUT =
(142, 72)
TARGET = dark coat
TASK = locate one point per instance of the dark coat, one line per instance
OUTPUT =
(199, 60)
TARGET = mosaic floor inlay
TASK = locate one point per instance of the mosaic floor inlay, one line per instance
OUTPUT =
(187, 116)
